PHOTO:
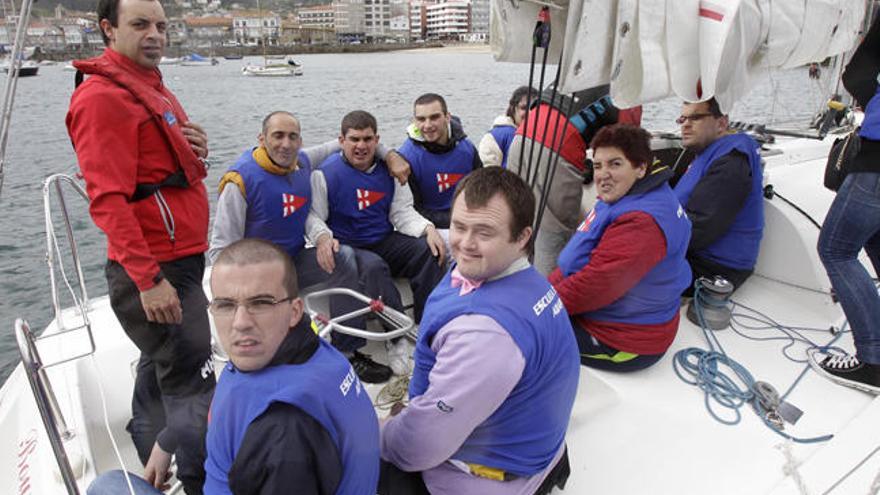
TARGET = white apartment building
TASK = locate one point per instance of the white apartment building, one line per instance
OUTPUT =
(377, 18)
(348, 18)
(447, 20)
(318, 16)
(480, 19)
(251, 27)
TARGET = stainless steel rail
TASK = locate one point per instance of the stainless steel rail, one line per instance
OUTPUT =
(401, 323)
(53, 420)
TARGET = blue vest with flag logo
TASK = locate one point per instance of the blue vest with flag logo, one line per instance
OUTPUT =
(523, 435)
(738, 247)
(359, 201)
(436, 174)
(871, 123)
(655, 299)
(325, 387)
(277, 205)
(503, 135)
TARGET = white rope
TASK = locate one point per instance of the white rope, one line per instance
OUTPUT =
(98, 376)
(790, 468)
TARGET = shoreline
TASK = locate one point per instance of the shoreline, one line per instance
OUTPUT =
(280, 51)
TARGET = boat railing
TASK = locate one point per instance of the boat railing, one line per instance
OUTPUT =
(47, 404)
(54, 258)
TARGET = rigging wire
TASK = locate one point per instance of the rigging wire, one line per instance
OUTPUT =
(12, 81)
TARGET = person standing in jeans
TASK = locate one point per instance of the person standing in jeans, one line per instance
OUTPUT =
(853, 223)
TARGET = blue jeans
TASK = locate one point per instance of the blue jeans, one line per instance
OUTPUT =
(113, 483)
(853, 223)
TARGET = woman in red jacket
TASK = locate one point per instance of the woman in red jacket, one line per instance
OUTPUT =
(621, 274)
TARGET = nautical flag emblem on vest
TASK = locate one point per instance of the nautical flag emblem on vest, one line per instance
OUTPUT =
(585, 225)
(447, 181)
(291, 203)
(367, 198)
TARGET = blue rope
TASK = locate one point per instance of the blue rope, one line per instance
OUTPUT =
(735, 387)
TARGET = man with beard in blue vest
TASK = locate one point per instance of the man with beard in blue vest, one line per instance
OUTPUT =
(357, 203)
(721, 193)
(289, 414)
(271, 200)
(440, 155)
(496, 363)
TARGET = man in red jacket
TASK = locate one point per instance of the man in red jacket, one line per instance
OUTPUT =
(143, 163)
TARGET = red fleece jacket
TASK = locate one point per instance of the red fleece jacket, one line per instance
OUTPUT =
(119, 145)
(630, 247)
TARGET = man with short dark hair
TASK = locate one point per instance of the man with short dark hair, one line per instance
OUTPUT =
(357, 203)
(496, 363)
(271, 200)
(289, 414)
(440, 154)
(142, 160)
(722, 195)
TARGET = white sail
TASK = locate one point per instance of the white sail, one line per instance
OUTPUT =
(692, 49)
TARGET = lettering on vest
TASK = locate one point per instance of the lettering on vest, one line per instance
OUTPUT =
(366, 198)
(291, 203)
(557, 307)
(349, 380)
(207, 369)
(545, 301)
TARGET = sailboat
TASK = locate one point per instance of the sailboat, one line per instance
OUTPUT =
(676, 427)
(267, 68)
(63, 410)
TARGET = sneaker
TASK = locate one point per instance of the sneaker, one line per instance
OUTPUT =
(847, 370)
(367, 370)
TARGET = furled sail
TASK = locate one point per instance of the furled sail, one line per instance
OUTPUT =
(693, 49)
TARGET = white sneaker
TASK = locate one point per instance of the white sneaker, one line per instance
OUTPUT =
(400, 356)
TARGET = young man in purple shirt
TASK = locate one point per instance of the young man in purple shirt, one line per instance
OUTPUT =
(494, 340)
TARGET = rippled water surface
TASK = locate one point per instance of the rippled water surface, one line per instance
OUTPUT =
(231, 106)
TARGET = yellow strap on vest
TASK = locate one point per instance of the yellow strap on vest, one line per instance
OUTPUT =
(486, 472)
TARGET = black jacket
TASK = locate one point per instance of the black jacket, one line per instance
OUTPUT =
(860, 79)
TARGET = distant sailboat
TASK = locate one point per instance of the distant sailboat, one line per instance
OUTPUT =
(267, 69)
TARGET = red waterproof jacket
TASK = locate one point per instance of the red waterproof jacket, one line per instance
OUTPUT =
(125, 127)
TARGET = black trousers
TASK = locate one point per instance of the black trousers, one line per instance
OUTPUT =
(701, 267)
(175, 380)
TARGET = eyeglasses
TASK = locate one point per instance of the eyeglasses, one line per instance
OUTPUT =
(692, 118)
(225, 308)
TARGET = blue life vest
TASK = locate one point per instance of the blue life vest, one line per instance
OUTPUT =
(277, 205)
(359, 201)
(871, 123)
(503, 135)
(325, 387)
(738, 247)
(436, 174)
(655, 299)
(527, 430)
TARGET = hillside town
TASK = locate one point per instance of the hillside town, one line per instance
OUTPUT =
(204, 25)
